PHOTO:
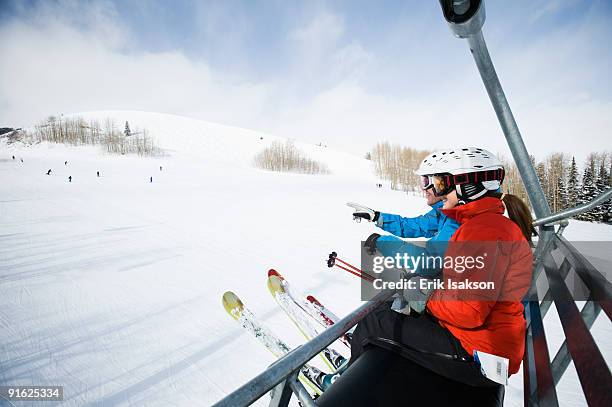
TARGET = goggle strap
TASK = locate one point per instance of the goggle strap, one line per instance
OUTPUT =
(474, 177)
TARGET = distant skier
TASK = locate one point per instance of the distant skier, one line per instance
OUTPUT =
(98, 174)
(151, 179)
(21, 159)
(160, 167)
(13, 157)
(49, 172)
(70, 178)
(65, 162)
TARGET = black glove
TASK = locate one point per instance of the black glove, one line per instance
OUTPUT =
(363, 212)
(370, 243)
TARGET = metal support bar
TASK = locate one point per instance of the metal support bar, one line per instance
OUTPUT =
(301, 393)
(478, 47)
(529, 387)
(600, 288)
(547, 300)
(281, 394)
(568, 213)
(562, 225)
(590, 365)
(542, 388)
(562, 359)
(264, 382)
(545, 245)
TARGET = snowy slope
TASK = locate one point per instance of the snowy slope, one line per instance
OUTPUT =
(223, 145)
(111, 286)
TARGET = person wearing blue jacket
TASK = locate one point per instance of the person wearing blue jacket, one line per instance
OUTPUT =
(426, 225)
(433, 225)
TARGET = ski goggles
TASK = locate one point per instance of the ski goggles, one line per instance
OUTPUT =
(444, 183)
(436, 181)
(426, 182)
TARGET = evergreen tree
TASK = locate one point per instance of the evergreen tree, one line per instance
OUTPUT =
(560, 201)
(602, 212)
(540, 169)
(588, 190)
(564, 193)
(608, 204)
(541, 173)
(127, 132)
(572, 185)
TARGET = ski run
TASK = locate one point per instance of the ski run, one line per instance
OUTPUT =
(110, 286)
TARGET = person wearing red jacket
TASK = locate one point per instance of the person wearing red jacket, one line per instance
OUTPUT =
(487, 320)
(477, 309)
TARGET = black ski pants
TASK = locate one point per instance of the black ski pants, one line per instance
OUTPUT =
(421, 339)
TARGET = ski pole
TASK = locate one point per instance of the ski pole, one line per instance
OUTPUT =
(333, 257)
(349, 265)
(366, 277)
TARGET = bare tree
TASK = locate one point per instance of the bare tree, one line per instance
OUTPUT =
(76, 131)
(397, 164)
(287, 158)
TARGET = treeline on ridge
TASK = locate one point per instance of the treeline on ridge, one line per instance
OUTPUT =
(564, 184)
(106, 133)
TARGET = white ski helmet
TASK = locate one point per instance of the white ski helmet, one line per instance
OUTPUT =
(486, 171)
(427, 166)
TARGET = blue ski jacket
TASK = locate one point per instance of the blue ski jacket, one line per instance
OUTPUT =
(434, 225)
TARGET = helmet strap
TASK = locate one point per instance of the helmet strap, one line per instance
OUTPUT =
(470, 192)
(460, 198)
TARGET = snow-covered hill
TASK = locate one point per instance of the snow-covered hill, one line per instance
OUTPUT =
(214, 143)
(111, 286)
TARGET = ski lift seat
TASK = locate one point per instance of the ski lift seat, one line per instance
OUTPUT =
(381, 377)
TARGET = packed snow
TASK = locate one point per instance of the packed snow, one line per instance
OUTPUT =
(111, 286)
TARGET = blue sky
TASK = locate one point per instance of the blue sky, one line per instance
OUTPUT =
(348, 73)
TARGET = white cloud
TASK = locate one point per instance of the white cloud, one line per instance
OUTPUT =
(547, 7)
(325, 93)
(314, 46)
(322, 31)
(56, 68)
(351, 62)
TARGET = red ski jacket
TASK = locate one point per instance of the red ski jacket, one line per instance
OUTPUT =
(489, 320)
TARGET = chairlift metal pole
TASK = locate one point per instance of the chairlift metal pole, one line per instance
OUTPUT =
(577, 210)
(466, 18)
